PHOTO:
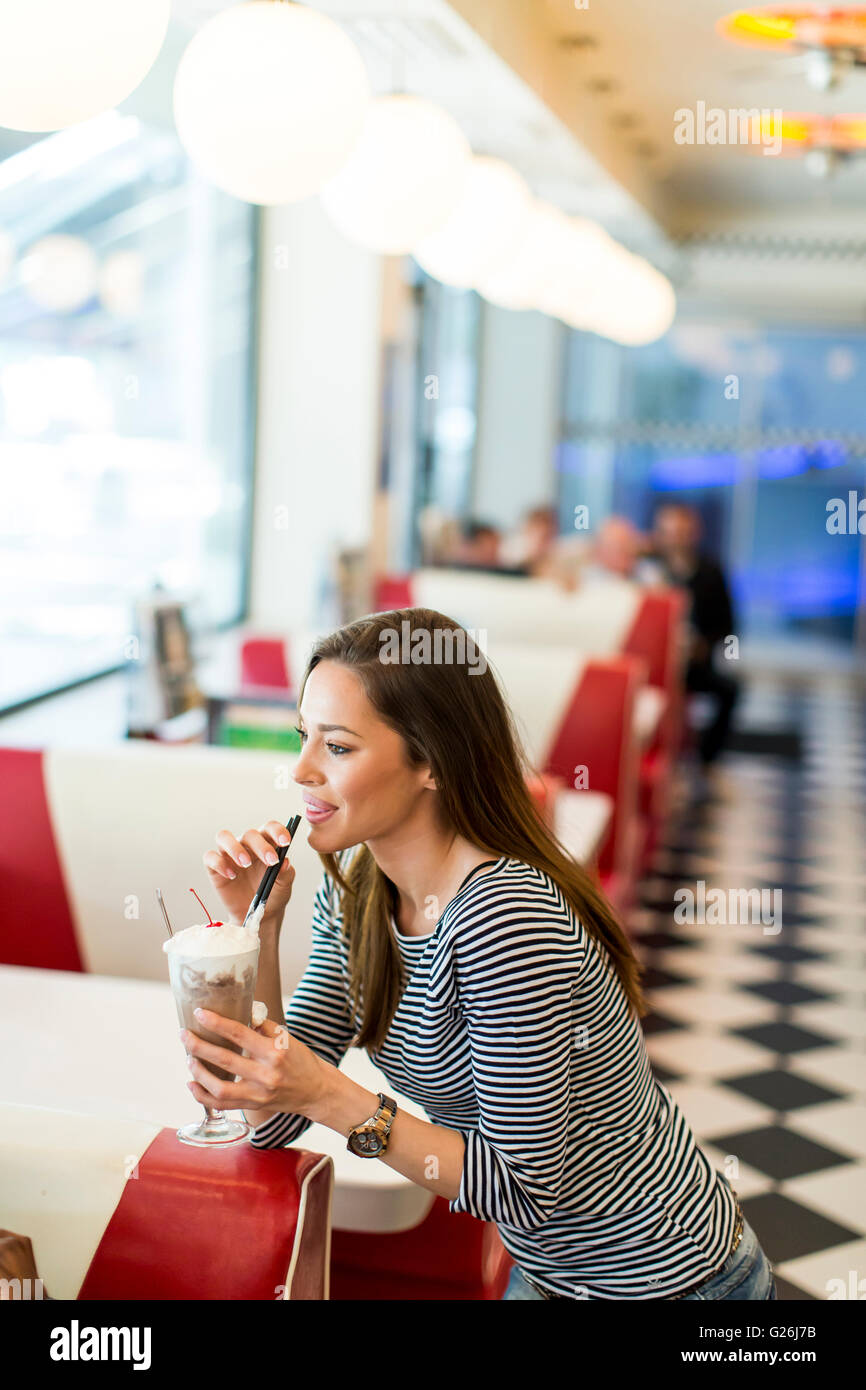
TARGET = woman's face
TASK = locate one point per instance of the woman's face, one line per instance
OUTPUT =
(356, 779)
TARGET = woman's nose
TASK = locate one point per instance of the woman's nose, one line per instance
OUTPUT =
(305, 767)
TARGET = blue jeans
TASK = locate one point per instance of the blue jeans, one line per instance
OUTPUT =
(747, 1274)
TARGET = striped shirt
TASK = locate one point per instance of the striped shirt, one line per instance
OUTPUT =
(514, 1030)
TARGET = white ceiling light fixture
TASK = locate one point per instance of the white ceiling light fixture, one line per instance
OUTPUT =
(403, 180)
(270, 100)
(59, 273)
(515, 284)
(575, 260)
(638, 307)
(590, 268)
(484, 230)
(65, 61)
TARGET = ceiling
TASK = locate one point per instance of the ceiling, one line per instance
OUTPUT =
(582, 102)
(661, 57)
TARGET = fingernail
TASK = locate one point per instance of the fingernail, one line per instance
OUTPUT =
(198, 1013)
(245, 860)
(182, 1034)
(283, 840)
(270, 857)
(231, 874)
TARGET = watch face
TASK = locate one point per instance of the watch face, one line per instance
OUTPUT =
(368, 1143)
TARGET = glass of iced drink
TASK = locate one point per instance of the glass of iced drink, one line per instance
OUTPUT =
(213, 966)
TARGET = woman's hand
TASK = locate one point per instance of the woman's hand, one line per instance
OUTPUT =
(280, 1073)
(236, 868)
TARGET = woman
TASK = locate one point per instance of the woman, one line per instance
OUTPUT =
(487, 978)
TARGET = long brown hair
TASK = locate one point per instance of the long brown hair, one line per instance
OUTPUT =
(459, 724)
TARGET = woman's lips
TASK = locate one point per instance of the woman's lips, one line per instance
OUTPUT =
(316, 810)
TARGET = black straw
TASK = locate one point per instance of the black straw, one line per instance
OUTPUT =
(269, 877)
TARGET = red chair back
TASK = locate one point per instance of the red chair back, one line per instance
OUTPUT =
(653, 638)
(264, 662)
(392, 591)
(597, 733)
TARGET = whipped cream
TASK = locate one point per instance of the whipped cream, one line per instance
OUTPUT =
(201, 940)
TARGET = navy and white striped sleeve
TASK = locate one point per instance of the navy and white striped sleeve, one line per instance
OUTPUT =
(317, 1013)
(516, 983)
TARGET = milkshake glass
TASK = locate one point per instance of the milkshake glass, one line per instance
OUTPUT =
(213, 967)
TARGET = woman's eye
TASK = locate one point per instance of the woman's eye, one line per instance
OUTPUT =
(336, 748)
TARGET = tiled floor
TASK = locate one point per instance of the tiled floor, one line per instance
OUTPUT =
(759, 1033)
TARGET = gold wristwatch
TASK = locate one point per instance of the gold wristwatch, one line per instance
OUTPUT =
(370, 1139)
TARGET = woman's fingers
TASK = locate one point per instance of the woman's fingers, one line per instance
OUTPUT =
(276, 831)
(260, 846)
(254, 1043)
(219, 864)
(234, 849)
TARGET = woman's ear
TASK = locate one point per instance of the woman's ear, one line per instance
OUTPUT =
(429, 782)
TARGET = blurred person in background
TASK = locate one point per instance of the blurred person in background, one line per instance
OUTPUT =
(617, 548)
(537, 545)
(479, 547)
(439, 535)
(677, 539)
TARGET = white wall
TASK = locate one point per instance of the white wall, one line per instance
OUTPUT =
(519, 400)
(318, 419)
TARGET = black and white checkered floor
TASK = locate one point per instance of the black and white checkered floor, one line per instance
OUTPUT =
(759, 1033)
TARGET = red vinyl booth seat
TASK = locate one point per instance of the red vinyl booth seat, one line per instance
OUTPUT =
(654, 638)
(451, 1255)
(34, 892)
(597, 732)
(239, 1224)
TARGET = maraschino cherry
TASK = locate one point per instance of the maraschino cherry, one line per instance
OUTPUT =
(209, 922)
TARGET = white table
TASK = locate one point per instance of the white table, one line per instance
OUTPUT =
(581, 821)
(649, 706)
(106, 1046)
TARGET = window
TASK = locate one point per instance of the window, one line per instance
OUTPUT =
(125, 416)
(758, 430)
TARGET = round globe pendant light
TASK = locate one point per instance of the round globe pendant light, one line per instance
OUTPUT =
(403, 180)
(59, 273)
(64, 61)
(591, 269)
(484, 230)
(270, 100)
(636, 306)
(561, 259)
(514, 283)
